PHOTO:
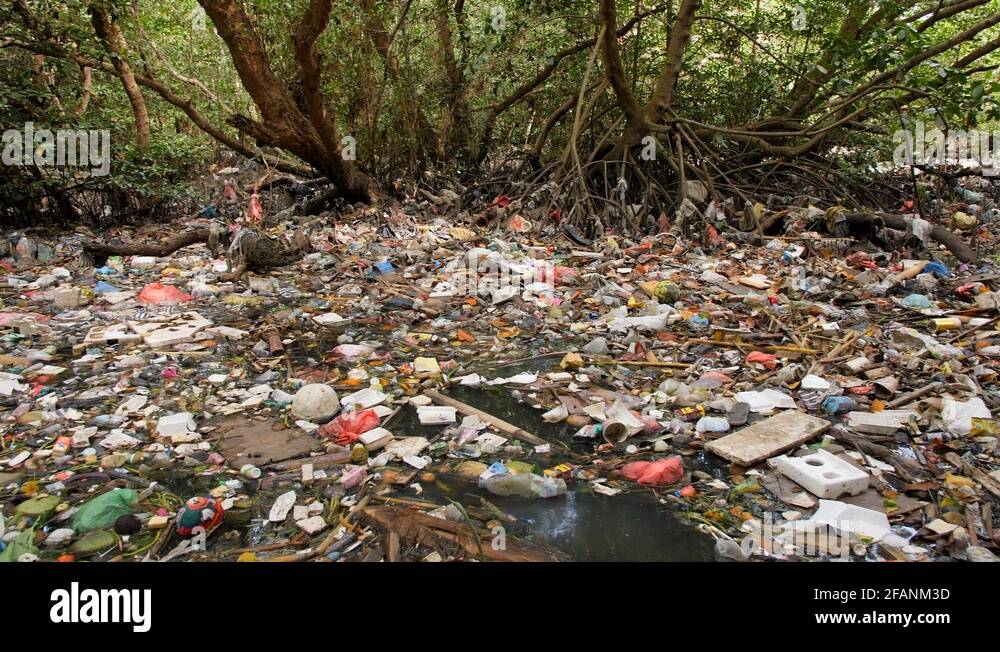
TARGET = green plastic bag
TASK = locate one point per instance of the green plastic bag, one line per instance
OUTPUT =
(103, 511)
(24, 544)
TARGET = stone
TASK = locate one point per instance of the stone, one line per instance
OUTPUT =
(315, 402)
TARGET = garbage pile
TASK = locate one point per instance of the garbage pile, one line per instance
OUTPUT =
(801, 398)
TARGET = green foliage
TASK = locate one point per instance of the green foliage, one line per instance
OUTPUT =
(749, 60)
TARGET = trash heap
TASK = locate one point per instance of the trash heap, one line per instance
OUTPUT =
(795, 397)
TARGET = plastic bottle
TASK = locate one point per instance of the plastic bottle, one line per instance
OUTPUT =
(528, 485)
(838, 404)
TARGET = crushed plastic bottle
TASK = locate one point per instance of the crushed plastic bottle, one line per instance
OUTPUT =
(527, 485)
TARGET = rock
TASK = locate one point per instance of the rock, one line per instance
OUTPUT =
(316, 402)
(661, 446)
(94, 542)
(681, 439)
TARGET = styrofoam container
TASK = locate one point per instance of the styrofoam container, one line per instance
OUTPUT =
(823, 474)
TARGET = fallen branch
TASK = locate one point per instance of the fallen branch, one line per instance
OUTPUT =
(420, 529)
(499, 424)
(954, 242)
(212, 236)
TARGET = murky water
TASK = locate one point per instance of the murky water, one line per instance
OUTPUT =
(585, 526)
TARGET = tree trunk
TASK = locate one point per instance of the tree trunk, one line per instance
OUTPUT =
(458, 128)
(114, 42)
(86, 90)
(301, 124)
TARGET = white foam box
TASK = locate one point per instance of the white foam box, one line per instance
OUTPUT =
(432, 415)
(823, 474)
(119, 332)
(174, 330)
(175, 424)
(376, 438)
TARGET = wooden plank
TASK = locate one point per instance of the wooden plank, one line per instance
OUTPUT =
(768, 438)
(499, 424)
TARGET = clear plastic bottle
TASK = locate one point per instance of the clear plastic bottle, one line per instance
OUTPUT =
(528, 485)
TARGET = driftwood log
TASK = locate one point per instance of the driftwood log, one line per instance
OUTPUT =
(953, 241)
(214, 237)
(416, 528)
(247, 250)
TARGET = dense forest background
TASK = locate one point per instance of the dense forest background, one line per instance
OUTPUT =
(605, 104)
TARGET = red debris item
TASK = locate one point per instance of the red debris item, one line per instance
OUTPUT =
(907, 206)
(163, 295)
(663, 223)
(229, 193)
(637, 251)
(519, 224)
(861, 260)
(712, 237)
(255, 214)
(349, 426)
(6, 317)
(555, 274)
(502, 201)
(862, 390)
(660, 472)
(769, 360)
(556, 215)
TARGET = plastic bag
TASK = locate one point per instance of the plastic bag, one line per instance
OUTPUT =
(103, 511)
(349, 426)
(23, 544)
(660, 472)
(162, 295)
